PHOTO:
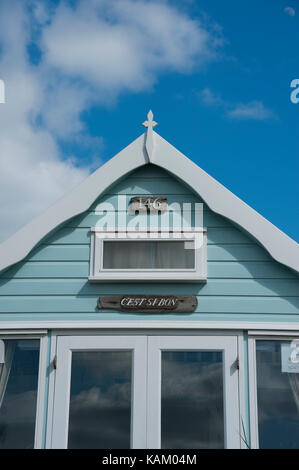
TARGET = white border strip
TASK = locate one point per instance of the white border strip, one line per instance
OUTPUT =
(51, 390)
(274, 333)
(41, 388)
(254, 437)
(182, 325)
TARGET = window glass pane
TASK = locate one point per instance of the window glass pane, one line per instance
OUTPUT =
(18, 394)
(277, 394)
(192, 414)
(148, 255)
(100, 400)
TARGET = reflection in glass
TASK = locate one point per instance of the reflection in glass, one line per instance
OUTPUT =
(18, 394)
(192, 400)
(100, 400)
(148, 255)
(278, 399)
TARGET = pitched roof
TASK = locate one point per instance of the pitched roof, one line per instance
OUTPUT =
(220, 200)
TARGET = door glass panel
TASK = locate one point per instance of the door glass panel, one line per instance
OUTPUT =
(18, 393)
(100, 400)
(192, 412)
(278, 394)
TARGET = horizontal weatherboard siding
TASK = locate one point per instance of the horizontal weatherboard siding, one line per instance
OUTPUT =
(218, 304)
(244, 282)
(215, 253)
(150, 171)
(174, 219)
(150, 186)
(218, 287)
(81, 236)
(118, 204)
(216, 269)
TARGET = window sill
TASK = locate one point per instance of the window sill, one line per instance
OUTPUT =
(147, 277)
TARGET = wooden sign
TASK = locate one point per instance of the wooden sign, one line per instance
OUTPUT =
(149, 303)
(148, 203)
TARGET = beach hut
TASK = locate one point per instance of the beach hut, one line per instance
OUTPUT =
(149, 308)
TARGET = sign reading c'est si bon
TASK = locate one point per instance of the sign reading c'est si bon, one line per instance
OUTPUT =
(149, 303)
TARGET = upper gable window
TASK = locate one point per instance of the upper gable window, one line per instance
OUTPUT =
(142, 256)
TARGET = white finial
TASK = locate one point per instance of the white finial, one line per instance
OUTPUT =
(149, 143)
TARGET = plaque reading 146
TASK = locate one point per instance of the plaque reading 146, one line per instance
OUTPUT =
(145, 203)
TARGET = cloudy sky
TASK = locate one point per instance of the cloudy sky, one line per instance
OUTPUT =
(81, 75)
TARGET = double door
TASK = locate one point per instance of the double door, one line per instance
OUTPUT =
(146, 392)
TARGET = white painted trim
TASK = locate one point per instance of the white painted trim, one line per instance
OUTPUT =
(273, 333)
(254, 434)
(216, 330)
(42, 370)
(220, 200)
(155, 230)
(142, 332)
(100, 274)
(254, 430)
(22, 332)
(65, 346)
(53, 348)
(147, 332)
(242, 389)
(41, 388)
(229, 346)
(183, 325)
(139, 394)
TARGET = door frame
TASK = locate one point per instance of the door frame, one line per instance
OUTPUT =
(61, 399)
(254, 336)
(229, 347)
(242, 372)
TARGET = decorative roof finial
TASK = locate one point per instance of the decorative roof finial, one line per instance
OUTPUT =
(149, 143)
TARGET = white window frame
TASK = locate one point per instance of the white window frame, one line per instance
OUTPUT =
(61, 401)
(147, 346)
(196, 274)
(42, 373)
(253, 408)
(229, 347)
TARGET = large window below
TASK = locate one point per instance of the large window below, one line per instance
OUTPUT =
(277, 373)
(19, 367)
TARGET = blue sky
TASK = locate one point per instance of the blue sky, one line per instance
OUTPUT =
(80, 81)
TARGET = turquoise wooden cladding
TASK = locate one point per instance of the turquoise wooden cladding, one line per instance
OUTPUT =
(244, 282)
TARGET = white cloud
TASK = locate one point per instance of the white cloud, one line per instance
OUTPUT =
(290, 11)
(116, 47)
(210, 98)
(253, 110)
(32, 174)
(124, 44)
(89, 57)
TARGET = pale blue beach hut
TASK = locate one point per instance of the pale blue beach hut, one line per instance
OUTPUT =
(149, 308)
